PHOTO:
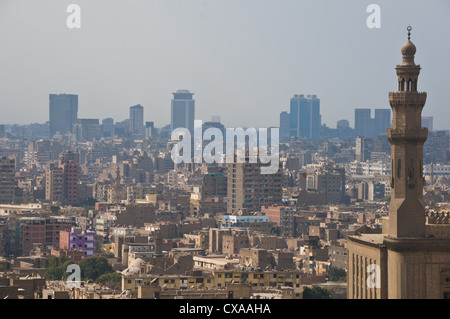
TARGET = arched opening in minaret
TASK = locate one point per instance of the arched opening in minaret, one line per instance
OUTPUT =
(399, 168)
(402, 85)
(420, 168)
(392, 168)
(411, 169)
(409, 85)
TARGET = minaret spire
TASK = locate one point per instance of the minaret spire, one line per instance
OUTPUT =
(406, 211)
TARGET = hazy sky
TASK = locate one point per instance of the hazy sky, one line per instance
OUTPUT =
(243, 59)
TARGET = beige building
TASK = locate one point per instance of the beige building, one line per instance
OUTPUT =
(221, 279)
(411, 258)
(54, 183)
(248, 189)
(327, 179)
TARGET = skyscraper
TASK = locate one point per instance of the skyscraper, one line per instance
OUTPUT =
(410, 259)
(367, 126)
(363, 123)
(427, 121)
(108, 127)
(183, 111)
(137, 121)
(285, 132)
(305, 120)
(63, 112)
(382, 121)
(149, 130)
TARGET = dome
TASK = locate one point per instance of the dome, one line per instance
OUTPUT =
(131, 270)
(409, 48)
(137, 263)
(135, 267)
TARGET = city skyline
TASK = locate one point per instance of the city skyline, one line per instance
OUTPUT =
(101, 58)
(94, 209)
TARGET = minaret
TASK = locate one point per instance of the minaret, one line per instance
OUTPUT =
(117, 179)
(407, 212)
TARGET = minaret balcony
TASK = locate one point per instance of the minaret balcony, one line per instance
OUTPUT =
(398, 135)
(409, 98)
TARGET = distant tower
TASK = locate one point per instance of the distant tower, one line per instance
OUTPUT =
(183, 111)
(108, 127)
(364, 124)
(149, 130)
(305, 118)
(382, 121)
(63, 113)
(117, 180)
(285, 120)
(407, 212)
(137, 121)
(427, 121)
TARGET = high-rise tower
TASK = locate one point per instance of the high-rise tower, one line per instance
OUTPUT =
(382, 121)
(63, 113)
(183, 111)
(407, 211)
(305, 118)
(137, 121)
(363, 123)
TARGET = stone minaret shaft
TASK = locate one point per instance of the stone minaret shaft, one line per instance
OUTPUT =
(407, 212)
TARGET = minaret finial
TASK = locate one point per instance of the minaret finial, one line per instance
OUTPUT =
(409, 28)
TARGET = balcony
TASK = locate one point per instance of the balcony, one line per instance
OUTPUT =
(412, 97)
(415, 134)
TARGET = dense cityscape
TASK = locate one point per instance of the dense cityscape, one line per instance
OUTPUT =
(97, 208)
